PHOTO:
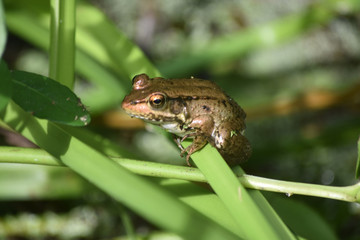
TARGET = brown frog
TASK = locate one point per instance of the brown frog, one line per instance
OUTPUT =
(191, 108)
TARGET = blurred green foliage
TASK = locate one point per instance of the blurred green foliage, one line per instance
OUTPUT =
(294, 67)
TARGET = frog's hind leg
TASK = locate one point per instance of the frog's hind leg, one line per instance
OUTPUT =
(233, 146)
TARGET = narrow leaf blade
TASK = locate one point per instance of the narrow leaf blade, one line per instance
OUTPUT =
(3, 32)
(357, 170)
(48, 99)
(5, 85)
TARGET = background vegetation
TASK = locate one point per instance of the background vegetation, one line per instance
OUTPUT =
(292, 65)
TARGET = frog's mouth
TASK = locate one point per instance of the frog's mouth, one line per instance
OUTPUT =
(146, 119)
(171, 126)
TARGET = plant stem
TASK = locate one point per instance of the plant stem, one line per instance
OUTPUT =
(62, 44)
(347, 193)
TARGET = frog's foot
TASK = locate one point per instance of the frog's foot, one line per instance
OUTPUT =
(178, 141)
(185, 151)
(188, 160)
(190, 135)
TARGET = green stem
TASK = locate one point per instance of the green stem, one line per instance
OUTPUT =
(62, 44)
(347, 193)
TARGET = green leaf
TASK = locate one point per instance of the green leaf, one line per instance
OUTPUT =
(48, 99)
(357, 170)
(5, 84)
(3, 32)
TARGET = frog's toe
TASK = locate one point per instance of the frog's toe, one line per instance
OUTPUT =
(188, 160)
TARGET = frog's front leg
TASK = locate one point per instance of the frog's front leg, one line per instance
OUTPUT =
(178, 140)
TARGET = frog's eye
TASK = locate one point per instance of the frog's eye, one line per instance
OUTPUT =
(157, 100)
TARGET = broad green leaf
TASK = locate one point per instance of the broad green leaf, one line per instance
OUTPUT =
(48, 99)
(3, 33)
(5, 84)
(357, 171)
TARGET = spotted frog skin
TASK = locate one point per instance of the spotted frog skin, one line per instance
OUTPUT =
(191, 108)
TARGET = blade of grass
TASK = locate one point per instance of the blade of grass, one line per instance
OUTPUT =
(127, 222)
(62, 47)
(203, 200)
(3, 32)
(99, 143)
(357, 170)
(248, 213)
(145, 198)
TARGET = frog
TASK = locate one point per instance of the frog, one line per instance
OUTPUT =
(191, 108)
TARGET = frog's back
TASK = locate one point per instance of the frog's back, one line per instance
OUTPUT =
(204, 96)
(193, 87)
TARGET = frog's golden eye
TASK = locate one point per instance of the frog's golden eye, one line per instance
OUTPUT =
(157, 100)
